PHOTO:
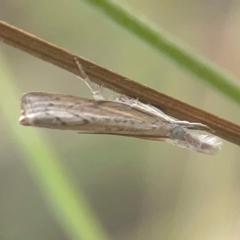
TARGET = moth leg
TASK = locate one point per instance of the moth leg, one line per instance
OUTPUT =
(123, 99)
(154, 111)
(180, 122)
(94, 88)
(186, 124)
(136, 104)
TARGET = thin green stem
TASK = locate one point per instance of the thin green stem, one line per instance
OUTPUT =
(161, 41)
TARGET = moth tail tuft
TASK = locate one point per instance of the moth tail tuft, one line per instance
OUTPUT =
(206, 144)
(210, 144)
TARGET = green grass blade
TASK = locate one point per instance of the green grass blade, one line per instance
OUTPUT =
(161, 41)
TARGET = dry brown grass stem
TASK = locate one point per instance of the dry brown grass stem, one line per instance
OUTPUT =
(116, 82)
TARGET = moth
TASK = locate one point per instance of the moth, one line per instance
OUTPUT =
(120, 115)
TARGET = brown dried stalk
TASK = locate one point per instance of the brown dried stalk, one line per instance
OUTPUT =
(64, 59)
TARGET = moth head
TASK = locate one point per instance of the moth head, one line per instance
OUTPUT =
(178, 133)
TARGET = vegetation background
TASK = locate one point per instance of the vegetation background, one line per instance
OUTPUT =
(137, 189)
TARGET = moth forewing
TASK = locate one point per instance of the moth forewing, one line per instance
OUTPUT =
(68, 112)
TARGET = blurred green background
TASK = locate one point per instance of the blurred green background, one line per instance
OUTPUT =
(136, 189)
